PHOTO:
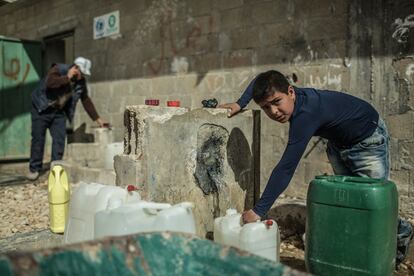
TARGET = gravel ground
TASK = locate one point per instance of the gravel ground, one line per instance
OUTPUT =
(24, 209)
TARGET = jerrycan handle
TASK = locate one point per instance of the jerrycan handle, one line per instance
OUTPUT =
(153, 208)
(55, 173)
(186, 205)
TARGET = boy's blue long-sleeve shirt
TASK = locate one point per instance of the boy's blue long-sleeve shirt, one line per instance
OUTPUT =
(343, 119)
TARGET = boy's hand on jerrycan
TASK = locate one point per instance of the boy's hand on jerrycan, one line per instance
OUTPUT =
(233, 108)
(250, 216)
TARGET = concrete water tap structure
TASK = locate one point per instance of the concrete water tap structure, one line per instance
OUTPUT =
(197, 155)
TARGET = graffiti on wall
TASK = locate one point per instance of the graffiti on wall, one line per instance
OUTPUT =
(169, 42)
(328, 80)
(236, 81)
(14, 70)
(315, 72)
(402, 28)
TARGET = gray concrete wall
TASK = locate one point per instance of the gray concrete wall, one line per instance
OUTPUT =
(190, 50)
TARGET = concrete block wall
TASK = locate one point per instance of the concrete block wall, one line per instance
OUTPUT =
(190, 50)
(199, 155)
(87, 161)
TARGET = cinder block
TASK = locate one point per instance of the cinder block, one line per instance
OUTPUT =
(405, 69)
(223, 5)
(314, 168)
(238, 80)
(274, 33)
(327, 28)
(394, 154)
(120, 89)
(235, 17)
(402, 180)
(401, 126)
(86, 154)
(243, 38)
(163, 85)
(316, 151)
(211, 84)
(239, 58)
(298, 186)
(406, 206)
(186, 83)
(269, 11)
(199, 7)
(197, 155)
(141, 87)
(407, 155)
(103, 136)
(205, 63)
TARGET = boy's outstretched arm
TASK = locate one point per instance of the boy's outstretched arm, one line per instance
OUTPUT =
(281, 175)
(241, 103)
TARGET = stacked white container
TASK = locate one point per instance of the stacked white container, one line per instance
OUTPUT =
(86, 200)
(261, 238)
(143, 216)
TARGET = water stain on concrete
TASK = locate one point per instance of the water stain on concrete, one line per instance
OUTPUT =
(211, 141)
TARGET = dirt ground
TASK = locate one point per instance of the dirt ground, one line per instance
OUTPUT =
(24, 209)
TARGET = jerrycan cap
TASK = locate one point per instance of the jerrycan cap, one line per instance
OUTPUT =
(131, 188)
(268, 223)
(230, 212)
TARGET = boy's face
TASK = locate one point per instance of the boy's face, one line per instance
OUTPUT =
(279, 106)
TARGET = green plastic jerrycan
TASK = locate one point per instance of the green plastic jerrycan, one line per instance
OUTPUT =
(351, 226)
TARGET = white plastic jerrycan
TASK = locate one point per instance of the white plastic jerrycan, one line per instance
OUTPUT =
(143, 216)
(58, 195)
(88, 199)
(261, 238)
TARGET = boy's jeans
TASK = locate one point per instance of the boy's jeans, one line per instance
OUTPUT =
(370, 158)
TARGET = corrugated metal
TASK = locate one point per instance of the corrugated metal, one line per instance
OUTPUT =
(20, 67)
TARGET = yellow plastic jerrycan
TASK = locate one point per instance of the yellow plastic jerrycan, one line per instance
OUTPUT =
(59, 195)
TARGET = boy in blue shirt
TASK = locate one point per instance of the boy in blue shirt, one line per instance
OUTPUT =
(357, 137)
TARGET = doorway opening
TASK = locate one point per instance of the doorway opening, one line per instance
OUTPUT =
(58, 48)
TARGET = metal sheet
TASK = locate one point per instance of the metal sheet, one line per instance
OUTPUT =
(20, 66)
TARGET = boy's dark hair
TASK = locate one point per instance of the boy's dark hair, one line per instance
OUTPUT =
(267, 83)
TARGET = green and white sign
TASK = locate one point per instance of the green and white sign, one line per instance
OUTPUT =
(106, 25)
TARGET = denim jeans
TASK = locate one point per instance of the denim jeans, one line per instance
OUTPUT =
(55, 121)
(369, 158)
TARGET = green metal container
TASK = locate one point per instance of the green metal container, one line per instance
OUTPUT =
(142, 254)
(351, 226)
(20, 66)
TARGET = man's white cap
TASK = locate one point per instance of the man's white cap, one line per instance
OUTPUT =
(84, 65)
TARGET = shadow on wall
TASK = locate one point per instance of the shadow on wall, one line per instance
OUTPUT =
(15, 101)
(240, 158)
(20, 74)
(79, 135)
(211, 150)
